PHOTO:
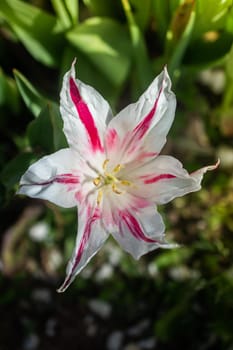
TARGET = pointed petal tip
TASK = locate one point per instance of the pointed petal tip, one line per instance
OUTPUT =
(207, 168)
(215, 166)
(74, 61)
(166, 78)
(61, 290)
(65, 284)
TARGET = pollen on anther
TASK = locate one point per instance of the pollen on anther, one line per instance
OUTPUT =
(126, 183)
(99, 196)
(105, 164)
(97, 181)
(117, 168)
(115, 189)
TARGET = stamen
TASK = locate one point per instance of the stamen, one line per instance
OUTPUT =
(126, 183)
(105, 164)
(99, 197)
(115, 190)
(117, 168)
(97, 181)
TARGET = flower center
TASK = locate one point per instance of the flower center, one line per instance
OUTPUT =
(109, 179)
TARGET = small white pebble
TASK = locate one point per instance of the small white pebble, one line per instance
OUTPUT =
(179, 273)
(153, 270)
(105, 272)
(115, 340)
(42, 295)
(114, 254)
(100, 308)
(55, 260)
(39, 231)
(225, 154)
(215, 79)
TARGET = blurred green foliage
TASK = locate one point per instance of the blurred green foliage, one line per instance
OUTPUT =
(120, 47)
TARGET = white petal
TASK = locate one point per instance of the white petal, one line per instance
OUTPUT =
(90, 238)
(135, 223)
(164, 179)
(141, 231)
(84, 112)
(54, 178)
(142, 127)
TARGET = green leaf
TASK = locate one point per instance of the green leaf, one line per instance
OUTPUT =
(13, 170)
(211, 15)
(110, 8)
(67, 12)
(87, 72)
(172, 257)
(202, 52)
(45, 132)
(73, 10)
(179, 34)
(229, 64)
(32, 98)
(9, 95)
(142, 12)
(62, 13)
(142, 64)
(39, 31)
(163, 12)
(106, 45)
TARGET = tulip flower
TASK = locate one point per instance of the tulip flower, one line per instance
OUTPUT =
(112, 171)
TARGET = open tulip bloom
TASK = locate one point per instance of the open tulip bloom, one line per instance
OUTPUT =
(112, 170)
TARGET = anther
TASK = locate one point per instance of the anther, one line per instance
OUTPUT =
(126, 183)
(117, 168)
(105, 164)
(115, 190)
(97, 181)
(99, 197)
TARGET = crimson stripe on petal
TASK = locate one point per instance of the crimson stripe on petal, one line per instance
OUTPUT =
(85, 116)
(141, 129)
(83, 244)
(135, 228)
(67, 179)
(143, 155)
(111, 138)
(151, 180)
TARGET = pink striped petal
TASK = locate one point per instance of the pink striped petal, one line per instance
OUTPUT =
(140, 232)
(54, 178)
(142, 127)
(90, 238)
(84, 112)
(164, 179)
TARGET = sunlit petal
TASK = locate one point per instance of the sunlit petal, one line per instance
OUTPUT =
(164, 179)
(90, 238)
(142, 127)
(84, 112)
(54, 178)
